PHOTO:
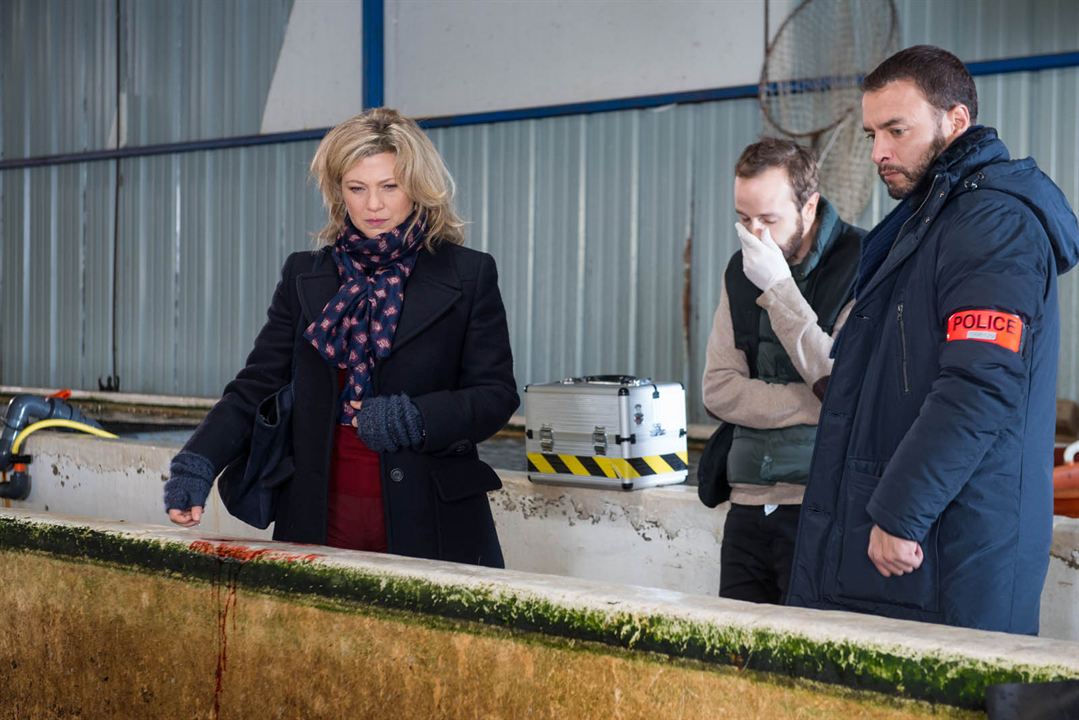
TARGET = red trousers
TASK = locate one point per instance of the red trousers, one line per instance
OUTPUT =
(355, 519)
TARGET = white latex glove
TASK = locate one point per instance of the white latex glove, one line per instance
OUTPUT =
(762, 260)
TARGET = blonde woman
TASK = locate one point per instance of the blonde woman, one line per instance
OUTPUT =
(394, 337)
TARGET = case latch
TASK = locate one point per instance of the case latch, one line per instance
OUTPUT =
(546, 438)
(599, 440)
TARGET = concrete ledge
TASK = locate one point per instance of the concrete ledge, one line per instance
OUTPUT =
(116, 398)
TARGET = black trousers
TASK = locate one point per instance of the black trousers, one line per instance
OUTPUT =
(757, 552)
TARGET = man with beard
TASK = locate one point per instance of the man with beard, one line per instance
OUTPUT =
(930, 496)
(783, 296)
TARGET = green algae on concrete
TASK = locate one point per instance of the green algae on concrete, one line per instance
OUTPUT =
(94, 640)
(953, 680)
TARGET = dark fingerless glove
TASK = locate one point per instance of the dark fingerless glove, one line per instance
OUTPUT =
(190, 478)
(390, 423)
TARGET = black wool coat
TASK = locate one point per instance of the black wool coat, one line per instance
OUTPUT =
(450, 355)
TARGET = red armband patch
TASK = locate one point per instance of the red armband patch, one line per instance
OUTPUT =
(991, 326)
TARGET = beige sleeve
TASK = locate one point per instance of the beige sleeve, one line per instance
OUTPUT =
(795, 324)
(732, 396)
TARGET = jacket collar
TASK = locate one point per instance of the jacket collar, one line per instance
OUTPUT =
(827, 229)
(430, 292)
(975, 149)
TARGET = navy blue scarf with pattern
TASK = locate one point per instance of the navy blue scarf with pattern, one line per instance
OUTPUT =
(358, 323)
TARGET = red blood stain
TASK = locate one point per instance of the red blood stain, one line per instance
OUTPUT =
(224, 603)
(232, 557)
(242, 553)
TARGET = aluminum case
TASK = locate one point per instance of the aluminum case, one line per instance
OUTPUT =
(612, 431)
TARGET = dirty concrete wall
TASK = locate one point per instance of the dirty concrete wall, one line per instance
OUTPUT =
(98, 642)
(662, 537)
(122, 620)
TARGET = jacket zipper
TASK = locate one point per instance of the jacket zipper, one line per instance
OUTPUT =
(899, 307)
(903, 349)
(928, 195)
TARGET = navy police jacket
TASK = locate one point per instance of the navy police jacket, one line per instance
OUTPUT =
(938, 420)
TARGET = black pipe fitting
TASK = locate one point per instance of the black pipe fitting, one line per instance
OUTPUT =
(21, 412)
(17, 486)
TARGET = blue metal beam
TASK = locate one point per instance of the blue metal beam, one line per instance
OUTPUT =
(374, 53)
(373, 90)
(1030, 63)
(165, 149)
(595, 106)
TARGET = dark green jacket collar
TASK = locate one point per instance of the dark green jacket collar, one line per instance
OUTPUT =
(828, 227)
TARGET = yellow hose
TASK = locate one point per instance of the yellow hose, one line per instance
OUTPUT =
(71, 424)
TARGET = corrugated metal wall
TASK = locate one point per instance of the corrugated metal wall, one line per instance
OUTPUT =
(56, 274)
(202, 239)
(198, 69)
(200, 236)
(57, 76)
(592, 220)
(991, 29)
(611, 230)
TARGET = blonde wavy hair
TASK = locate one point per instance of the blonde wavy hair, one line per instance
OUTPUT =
(419, 170)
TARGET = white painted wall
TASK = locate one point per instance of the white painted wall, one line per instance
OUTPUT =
(318, 81)
(450, 57)
(468, 56)
(661, 538)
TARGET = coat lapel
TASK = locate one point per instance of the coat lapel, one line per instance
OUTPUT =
(430, 292)
(315, 290)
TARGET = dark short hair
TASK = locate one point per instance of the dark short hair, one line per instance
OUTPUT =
(771, 152)
(941, 77)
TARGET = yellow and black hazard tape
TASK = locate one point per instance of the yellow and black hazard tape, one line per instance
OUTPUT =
(607, 467)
